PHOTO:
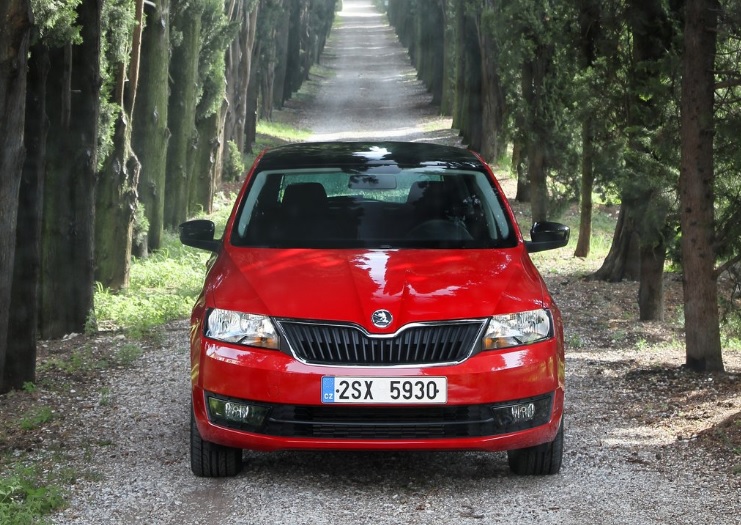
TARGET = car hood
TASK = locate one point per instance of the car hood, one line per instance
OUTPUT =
(349, 285)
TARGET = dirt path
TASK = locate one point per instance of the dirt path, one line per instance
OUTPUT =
(371, 91)
(624, 463)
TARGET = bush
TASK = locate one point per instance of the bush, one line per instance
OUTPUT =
(233, 163)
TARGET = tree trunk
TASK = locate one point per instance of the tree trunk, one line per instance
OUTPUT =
(151, 135)
(535, 74)
(519, 164)
(115, 206)
(587, 186)
(67, 281)
(14, 45)
(267, 78)
(536, 172)
(281, 58)
(471, 123)
(239, 69)
(651, 287)
(116, 197)
(448, 86)
(429, 48)
(182, 116)
(696, 180)
(204, 163)
(639, 234)
(294, 40)
(492, 97)
(590, 30)
(22, 331)
(459, 81)
(623, 259)
(651, 42)
(253, 91)
(519, 159)
(532, 80)
(232, 66)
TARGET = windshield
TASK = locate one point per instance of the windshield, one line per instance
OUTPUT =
(336, 208)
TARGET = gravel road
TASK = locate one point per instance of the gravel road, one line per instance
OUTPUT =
(618, 468)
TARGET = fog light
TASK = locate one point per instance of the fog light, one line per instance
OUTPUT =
(523, 414)
(236, 412)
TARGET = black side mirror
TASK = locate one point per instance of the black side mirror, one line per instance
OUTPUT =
(199, 233)
(547, 235)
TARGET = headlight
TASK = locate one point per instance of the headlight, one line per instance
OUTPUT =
(518, 329)
(243, 329)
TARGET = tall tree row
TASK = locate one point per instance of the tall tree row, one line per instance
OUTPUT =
(114, 119)
(588, 96)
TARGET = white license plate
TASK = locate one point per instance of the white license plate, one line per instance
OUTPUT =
(385, 390)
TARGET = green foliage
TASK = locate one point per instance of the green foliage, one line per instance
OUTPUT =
(234, 165)
(141, 225)
(537, 67)
(85, 362)
(109, 112)
(216, 34)
(105, 398)
(222, 209)
(128, 353)
(78, 362)
(55, 21)
(163, 287)
(118, 22)
(277, 133)
(25, 496)
(117, 26)
(730, 332)
(36, 418)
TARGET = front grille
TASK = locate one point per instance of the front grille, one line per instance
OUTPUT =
(420, 344)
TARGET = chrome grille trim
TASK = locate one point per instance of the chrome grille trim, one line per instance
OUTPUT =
(347, 344)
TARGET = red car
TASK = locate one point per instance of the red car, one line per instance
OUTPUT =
(374, 296)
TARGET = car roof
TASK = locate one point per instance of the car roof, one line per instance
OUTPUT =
(368, 154)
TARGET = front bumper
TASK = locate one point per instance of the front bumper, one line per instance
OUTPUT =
(298, 420)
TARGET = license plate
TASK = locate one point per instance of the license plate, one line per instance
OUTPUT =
(385, 390)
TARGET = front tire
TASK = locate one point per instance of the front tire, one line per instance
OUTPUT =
(539, 460)
(209, 460)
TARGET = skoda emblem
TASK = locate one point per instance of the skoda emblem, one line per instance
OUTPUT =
(381, 318)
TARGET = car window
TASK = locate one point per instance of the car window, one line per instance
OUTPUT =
(426, 207)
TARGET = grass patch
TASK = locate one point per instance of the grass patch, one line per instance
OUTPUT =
(79, 362)
(37, 418)
(163, 288)
(85, 361)
(277, 133)
(128, 353)
(271, 134)
(25, 495)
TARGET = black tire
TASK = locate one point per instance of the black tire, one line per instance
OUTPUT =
(209, 460)
(539, 460)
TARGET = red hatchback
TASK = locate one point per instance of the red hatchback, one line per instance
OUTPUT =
(374, 296)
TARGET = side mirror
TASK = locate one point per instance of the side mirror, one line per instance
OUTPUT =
(547, 235)
(199, 233)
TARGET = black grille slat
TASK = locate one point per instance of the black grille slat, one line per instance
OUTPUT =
(347, 344)
(383, 422)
